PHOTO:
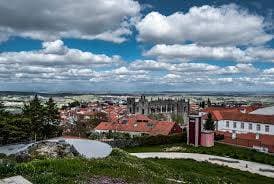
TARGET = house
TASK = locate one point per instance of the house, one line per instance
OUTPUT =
(250, 130)
(139, 125)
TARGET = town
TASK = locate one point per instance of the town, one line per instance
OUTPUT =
(131, 121)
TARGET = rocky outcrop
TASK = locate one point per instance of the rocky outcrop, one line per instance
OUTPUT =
(47, 149)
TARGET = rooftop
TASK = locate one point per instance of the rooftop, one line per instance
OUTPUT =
(237, 116)
(140, 123)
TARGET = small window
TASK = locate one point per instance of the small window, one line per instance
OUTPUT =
(258, 128)
(250, 126)
(234, 124)
(242, 125)
(266, 128)
(257, 136)
(227, 124)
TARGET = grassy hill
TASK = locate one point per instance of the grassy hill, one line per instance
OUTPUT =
(122, 167)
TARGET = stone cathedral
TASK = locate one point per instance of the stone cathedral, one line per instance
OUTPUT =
(165, 106)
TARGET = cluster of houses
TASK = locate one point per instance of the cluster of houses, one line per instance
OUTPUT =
(248, 126)
(138, 125)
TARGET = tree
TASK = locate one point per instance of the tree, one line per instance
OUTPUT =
(14, 128)
(34, 111)
(209, 124)
(208, 103)
(51, 119)
(2, 110)
(96, 119)
(37, 121)
(177, 118)
(202, 104)
(74, 104)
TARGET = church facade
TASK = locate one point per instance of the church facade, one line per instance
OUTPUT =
(164, 106)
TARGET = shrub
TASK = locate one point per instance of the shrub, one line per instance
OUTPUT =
(160, 139)
(218, 137)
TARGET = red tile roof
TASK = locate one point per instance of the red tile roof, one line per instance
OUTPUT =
(236, 116)
(211, 109)
(245, 109)
(143, 124)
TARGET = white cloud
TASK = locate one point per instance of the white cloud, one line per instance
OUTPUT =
(261, 53)
(269, 71)
(205, 25)
(108, 20)
(56, 53)
(195, 69)
(196, 52)
(239, 68)
(149, 65)
(57, 63)
(54, 61)
(152, 65)
(54, 47)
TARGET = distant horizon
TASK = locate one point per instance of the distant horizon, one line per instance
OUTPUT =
(138, 92)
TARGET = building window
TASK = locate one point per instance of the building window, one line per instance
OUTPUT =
(242, 125)
(227, 124)
(234, 124)
(257, 136)
(250, 126)
(266, 128)
(258, 128)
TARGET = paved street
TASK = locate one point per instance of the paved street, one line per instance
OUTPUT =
(253, 167)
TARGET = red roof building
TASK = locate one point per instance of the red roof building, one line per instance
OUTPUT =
(250, 130)
(138, 125)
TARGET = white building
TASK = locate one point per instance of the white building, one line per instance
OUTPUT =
(249, 130)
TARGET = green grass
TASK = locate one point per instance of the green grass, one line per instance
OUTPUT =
(219, 149)
(197, 172)
(133, 170)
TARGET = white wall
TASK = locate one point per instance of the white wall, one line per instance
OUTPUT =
(222, 127)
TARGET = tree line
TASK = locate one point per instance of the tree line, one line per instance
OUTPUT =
(36, 122)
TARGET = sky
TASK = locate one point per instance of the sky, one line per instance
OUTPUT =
(130, 45)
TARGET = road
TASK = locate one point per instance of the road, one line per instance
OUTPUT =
(253, 167)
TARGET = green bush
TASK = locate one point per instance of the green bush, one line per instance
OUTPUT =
(160, 139)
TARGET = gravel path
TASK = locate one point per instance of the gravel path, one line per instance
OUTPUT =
(253, 167)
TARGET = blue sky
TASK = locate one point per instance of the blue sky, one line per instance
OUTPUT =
(145, 45)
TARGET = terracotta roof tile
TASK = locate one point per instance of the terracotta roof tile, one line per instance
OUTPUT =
(141, 123)
(266, 119)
